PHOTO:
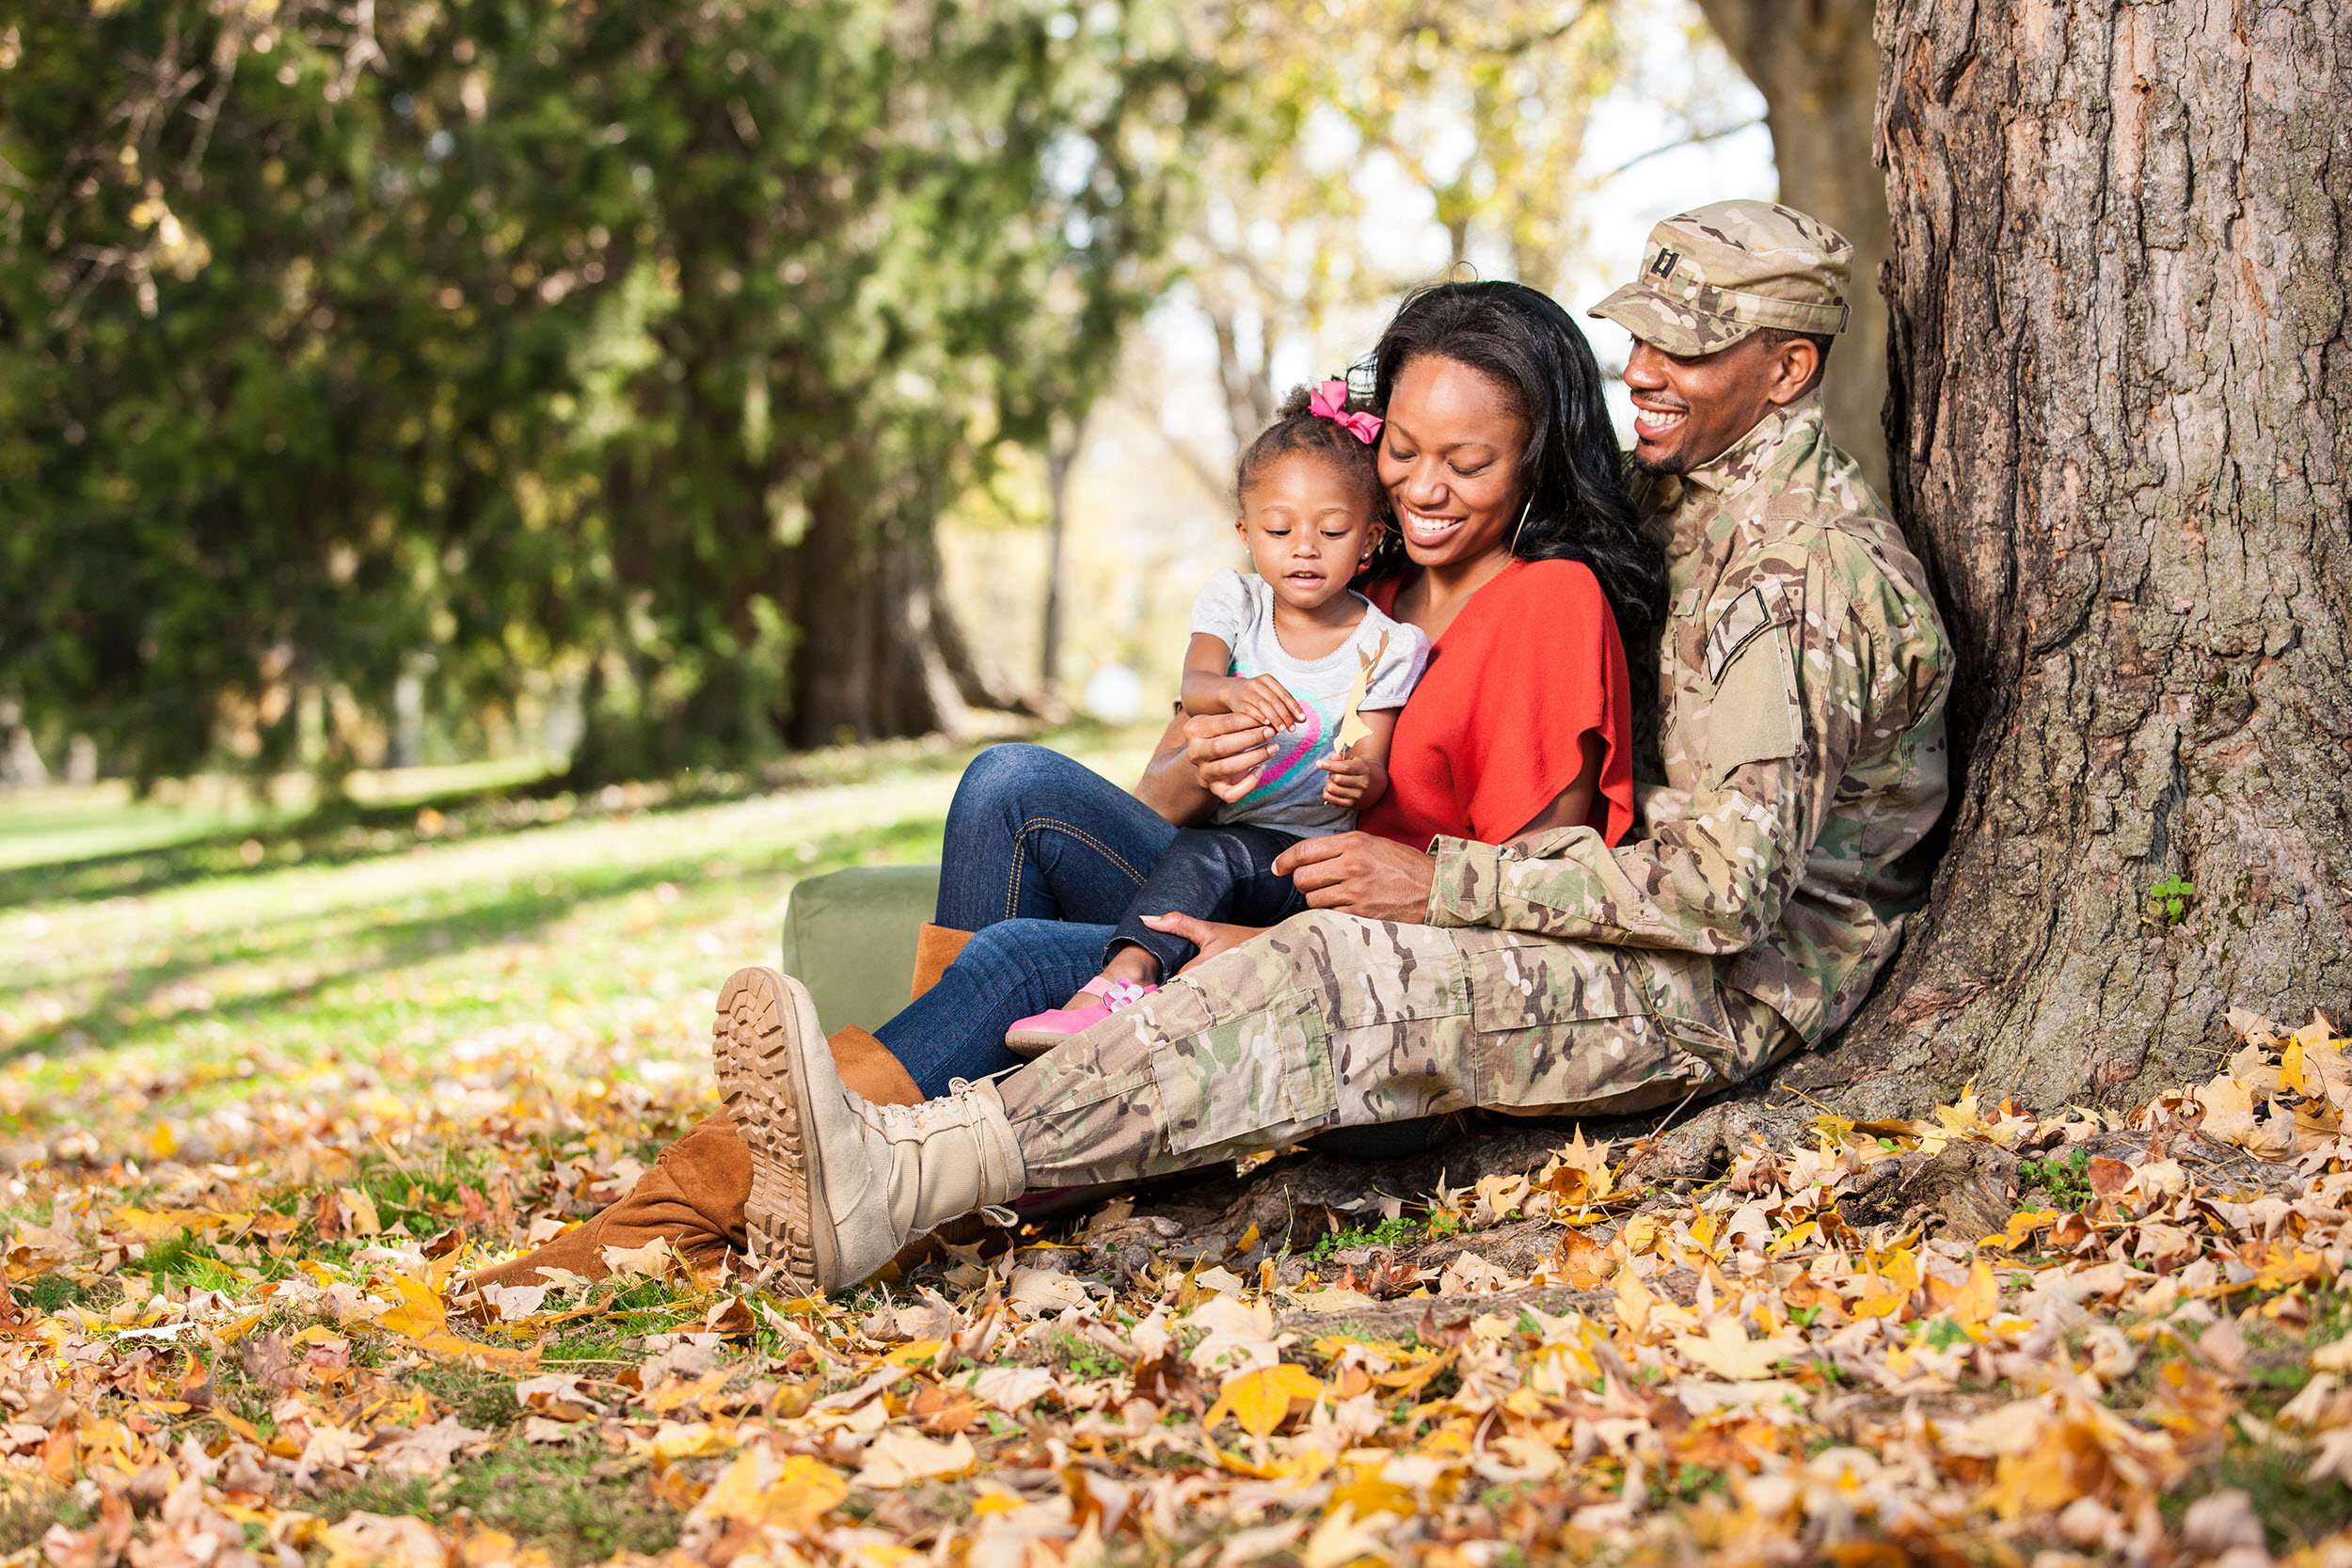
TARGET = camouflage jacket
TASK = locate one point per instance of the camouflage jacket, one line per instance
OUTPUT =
(1802, 690)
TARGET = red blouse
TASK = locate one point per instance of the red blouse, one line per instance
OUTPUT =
(1491, 735)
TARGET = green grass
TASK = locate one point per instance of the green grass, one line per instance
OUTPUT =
(2293, 1514)
(572, 1499)
(153, 996)
(61, 826)
(1388, 1233)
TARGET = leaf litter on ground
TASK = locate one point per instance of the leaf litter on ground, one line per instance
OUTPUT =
(233, 1338)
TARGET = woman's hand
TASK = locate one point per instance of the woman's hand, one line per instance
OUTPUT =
(1361, 874)
(1211, 936)
(1227, 751)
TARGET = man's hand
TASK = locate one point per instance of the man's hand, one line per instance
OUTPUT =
(1211, 936)
(1360, 874)
(1227, 751)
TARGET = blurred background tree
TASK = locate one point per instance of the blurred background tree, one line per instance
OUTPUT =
(595, 378)
(496, 346)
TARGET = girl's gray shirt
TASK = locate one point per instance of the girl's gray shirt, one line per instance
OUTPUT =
(1237, 608)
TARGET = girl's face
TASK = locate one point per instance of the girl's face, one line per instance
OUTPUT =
(1450, 461)
(1307, 526)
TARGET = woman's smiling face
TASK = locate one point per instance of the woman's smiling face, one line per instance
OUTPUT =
(1450, 462)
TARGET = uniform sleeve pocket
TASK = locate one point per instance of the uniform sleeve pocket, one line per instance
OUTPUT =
(1223, 1081)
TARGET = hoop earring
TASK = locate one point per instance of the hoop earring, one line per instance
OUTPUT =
(1522, 524)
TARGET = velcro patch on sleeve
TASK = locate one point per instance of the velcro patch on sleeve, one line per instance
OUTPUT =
(1754, 716)
(1738, 625)
(1754, 719)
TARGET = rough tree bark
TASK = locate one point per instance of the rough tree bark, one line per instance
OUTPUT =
(1818, 68)
(2123, 247)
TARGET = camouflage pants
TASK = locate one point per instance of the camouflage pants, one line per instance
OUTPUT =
(1334, 1021)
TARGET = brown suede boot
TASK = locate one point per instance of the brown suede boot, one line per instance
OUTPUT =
(693, 1195)
(695, 1192)
(870, 1070)
(936, 948)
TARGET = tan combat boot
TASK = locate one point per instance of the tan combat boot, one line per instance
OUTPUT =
(839, 1183)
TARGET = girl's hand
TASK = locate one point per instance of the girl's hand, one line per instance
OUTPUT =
(1265, 699)
(1350, 785)
(1211, 936)
(1227, 751)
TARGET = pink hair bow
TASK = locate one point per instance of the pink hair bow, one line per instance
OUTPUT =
(1330, 402)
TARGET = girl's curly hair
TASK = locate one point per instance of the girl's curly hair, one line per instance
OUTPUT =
(1296, 428)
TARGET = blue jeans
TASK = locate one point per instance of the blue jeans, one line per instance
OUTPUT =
(1042, 857)
(1220, 874)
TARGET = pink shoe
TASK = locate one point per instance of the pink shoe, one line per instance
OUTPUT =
(1038, 1033)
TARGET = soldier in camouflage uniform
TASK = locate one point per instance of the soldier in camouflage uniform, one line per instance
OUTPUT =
(1801, 728)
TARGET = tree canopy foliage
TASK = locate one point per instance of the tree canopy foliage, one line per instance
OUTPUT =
(507, 342)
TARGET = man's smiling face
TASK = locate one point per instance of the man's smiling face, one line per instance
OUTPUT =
(1688, 412)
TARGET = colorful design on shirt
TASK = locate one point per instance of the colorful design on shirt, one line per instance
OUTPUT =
(1284, 770)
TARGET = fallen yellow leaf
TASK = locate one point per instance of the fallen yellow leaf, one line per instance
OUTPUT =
(897, 1456)
(757, 1489)
(360, 1209)
(419, 1312)
(1728, 1352)
(1261, 1399)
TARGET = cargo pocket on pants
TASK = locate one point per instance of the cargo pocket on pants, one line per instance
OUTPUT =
(1563, 1025)
(1220, 1082)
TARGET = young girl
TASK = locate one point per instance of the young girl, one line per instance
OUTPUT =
(1293, 648)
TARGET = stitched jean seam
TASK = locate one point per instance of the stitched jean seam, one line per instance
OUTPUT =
(1021, 852)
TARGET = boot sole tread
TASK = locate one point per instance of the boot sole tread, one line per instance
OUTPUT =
(751, 1050)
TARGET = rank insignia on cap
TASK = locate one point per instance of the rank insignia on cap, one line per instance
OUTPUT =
(1665, 265)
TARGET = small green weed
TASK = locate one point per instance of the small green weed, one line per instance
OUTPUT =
(2169, 902)
(2062, 1178)
(1943, 1333)
(1392, 1232)
(1084, 1360)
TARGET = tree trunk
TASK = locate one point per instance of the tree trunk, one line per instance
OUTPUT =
(2123, 413)
(1061, 455)
(1818, 68)
(873, 637)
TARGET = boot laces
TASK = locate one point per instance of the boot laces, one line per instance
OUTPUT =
(914, 1117)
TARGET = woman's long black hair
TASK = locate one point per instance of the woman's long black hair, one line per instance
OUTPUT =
(1577, 507)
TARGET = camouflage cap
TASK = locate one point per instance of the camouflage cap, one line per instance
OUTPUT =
(1712, 276)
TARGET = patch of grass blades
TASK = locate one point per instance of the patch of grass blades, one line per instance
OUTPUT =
(29, 1504)
(591, 1339)
(546, 1496)
(484, 1401)
(424, 1198)
(2293, 1514)
(49, 1293)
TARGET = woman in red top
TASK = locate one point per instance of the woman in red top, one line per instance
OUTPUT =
(1524, 561)
(1516, 549)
